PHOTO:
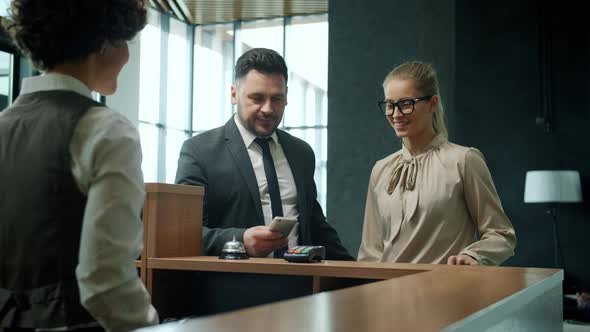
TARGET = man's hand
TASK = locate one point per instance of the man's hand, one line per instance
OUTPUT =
(462, 260)
(583, 300)
(259, 241)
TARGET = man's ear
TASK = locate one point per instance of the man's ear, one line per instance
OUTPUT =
(234, 94)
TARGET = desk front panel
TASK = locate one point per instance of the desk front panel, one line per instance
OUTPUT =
(429, 301)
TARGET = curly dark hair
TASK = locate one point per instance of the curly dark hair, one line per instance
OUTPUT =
(52, 32)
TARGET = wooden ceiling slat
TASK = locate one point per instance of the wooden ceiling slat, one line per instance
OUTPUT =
(163, 5)
(179, 9)
(222, 11)
(156, 4)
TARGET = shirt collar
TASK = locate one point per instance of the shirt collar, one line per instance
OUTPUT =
(247, 136)
(48, 82)
(435, 143)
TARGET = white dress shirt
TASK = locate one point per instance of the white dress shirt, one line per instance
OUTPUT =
(284, 175)
(106, 164)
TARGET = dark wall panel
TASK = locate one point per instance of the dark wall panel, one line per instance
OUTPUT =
(368, 39)
(498, 97)
(488, 57)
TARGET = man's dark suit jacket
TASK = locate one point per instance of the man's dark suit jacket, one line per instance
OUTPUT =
(218, 160)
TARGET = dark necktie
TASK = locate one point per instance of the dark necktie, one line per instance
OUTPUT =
(271, 177)
(273, 184)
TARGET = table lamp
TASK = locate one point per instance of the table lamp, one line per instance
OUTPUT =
(552, 188)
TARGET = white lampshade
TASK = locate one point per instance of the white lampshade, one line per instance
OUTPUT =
(552, 187)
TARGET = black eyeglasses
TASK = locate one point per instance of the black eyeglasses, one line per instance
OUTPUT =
(405, 105)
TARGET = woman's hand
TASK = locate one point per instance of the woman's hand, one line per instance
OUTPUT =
(462, 260)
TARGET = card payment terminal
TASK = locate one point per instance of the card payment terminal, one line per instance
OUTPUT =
(305, 254)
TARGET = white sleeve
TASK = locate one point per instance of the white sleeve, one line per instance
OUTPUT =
(106, 162)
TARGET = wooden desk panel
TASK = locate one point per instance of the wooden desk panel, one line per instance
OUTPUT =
(464, 299)
(172, 222)
(342, 269)
(173, 216)
(408, 297)
(417, 297)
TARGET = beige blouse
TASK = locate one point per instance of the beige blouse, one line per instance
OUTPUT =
(438, 203)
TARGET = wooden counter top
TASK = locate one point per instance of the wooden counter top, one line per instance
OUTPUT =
(426, 298)
(273, 295)
(343, 269)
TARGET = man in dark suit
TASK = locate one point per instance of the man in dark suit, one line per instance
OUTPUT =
(253, 172)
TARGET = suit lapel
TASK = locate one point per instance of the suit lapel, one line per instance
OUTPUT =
(236, 146)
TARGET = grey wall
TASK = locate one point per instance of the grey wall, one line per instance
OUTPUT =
(366, 42)
(488, 58)
(498, 81)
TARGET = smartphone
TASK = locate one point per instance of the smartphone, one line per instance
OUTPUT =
(283, 225)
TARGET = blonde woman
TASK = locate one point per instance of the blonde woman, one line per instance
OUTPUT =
(432, 201)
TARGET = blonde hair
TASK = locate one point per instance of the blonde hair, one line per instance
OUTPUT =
(427, 83)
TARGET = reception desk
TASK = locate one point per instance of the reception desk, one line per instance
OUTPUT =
(263, 294)
(389, 297)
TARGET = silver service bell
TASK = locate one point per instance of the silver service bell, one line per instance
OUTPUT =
(233, 250)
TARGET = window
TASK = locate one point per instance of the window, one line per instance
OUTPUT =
(213, 76)
(185, 90)
(178, 104)
(149, 96)
(6, 79)
(306, 115)
(4, 5)
(165, 96)
(9, 62)
(261, 33)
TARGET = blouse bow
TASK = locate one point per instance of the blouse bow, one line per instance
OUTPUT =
(404, 174)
